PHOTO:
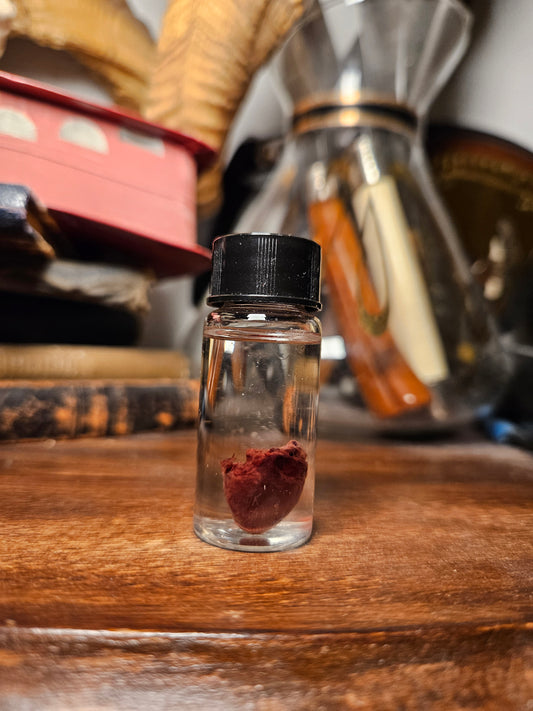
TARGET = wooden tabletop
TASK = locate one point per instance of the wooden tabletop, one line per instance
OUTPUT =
(415, 591)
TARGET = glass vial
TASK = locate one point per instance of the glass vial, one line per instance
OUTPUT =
(259, 394)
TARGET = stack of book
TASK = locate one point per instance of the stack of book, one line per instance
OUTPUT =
(69, 365)
(117, 212)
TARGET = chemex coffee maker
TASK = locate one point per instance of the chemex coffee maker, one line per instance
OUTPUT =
(409, 346)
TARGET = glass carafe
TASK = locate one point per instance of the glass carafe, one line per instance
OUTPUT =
(408, 343)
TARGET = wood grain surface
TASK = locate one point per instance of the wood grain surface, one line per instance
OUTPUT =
(415, 591)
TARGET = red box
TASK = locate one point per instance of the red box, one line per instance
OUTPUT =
(108, 177)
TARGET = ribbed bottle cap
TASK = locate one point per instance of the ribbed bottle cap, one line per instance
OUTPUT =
(258, 267)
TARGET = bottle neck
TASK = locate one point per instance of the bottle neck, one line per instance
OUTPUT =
(268, 308)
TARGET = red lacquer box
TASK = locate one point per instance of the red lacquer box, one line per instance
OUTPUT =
(108, 177)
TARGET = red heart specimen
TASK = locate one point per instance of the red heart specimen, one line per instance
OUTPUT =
(266, 487)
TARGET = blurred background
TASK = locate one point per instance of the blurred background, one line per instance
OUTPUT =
(477, 135)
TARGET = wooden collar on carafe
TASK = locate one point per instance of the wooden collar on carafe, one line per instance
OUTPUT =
(335, 110)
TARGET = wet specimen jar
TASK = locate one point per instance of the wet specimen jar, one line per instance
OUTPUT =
(259, 394)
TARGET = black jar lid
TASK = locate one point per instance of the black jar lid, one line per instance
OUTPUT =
(259, 267)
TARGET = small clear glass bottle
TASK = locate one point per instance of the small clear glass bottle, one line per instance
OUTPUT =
(259, 394)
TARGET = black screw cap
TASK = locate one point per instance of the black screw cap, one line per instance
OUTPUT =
(262, 267)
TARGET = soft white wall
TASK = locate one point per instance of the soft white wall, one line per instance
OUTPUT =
(493, 89)
(150, 12)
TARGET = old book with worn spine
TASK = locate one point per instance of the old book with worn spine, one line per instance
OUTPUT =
(56, 362)
(64, 409)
